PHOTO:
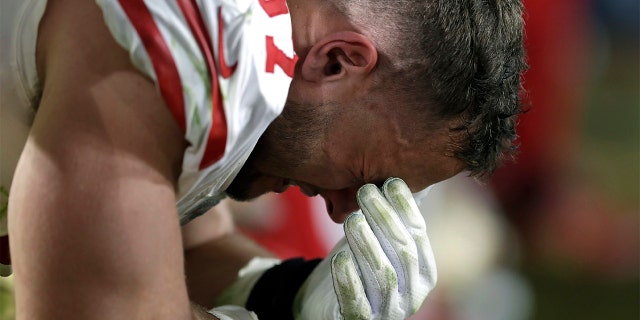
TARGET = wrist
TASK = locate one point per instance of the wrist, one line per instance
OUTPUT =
(238, 292)
(273, 295)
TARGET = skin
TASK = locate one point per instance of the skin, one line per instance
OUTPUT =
(93, 197)
(92, 207)
(349, 153)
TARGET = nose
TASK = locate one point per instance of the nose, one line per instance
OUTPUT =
(340, 203)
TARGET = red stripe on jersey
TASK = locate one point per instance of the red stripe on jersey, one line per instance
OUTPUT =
(225, 70)
(217, 140)
(160, 55)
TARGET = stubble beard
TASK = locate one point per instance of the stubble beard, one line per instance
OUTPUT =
(289, 143)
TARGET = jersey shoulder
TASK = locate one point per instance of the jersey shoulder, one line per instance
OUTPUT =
(223, 69)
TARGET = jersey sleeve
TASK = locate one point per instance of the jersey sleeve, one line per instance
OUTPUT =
(223, 69)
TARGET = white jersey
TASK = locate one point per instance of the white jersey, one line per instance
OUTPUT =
(223, 68)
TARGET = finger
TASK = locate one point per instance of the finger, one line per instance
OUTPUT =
(379, 277)
(390, 232)
(348, 287)
(400, 197)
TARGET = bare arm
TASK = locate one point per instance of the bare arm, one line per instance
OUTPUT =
(214, 253)
(93, 226)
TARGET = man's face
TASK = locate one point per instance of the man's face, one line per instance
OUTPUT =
(332, 154)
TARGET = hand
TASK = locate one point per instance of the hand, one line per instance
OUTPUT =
(384, 269)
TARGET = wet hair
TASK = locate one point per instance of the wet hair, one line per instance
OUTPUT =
(452, 60)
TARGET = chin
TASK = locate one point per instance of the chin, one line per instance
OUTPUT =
(244, 186)
(240, 194)
(246, 191)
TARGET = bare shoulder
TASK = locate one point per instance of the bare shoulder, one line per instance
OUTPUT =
(97, 182)
(91, 81)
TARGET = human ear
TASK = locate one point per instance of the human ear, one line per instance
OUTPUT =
(339, 54)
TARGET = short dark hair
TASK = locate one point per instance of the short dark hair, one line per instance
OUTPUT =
(453, 59)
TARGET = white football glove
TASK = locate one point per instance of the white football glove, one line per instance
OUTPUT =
(384, 269)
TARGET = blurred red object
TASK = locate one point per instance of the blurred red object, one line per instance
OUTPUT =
(294, 234)
(557, 44)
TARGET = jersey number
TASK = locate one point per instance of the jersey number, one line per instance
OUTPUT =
(275, 56)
